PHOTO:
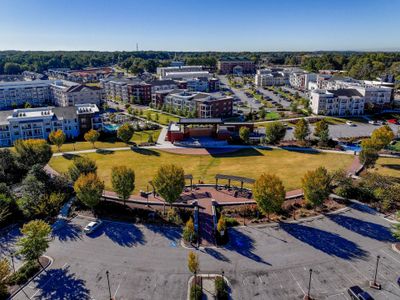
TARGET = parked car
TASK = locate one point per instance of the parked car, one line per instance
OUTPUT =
(92, 226)
(372, 122)
(392, 121)
(357, 293)
(350, 123)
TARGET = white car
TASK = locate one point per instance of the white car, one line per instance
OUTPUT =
(350, 123)
(92, 226)
(372, 122)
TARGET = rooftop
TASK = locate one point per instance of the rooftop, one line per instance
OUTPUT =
(187, 121)
(346, 92)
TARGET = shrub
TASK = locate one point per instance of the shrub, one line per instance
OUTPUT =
(173, 216)
(221, 288)
(24, 273)
(195, 292)
(231, 222)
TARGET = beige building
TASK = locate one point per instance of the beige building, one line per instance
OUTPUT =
(341, 102)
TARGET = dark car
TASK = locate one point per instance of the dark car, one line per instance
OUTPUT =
(357, 293)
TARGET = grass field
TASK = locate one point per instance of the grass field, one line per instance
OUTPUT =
(388, 166)
(163, 118)
(290, 166)
(138, 137)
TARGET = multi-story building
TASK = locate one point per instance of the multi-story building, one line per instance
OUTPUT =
(202, 104)
(37, 123)
(128, 90)
(67, 93)
(236, 65)
(376, 96)
(163, 71)
(47, 92)
(269, 77)
(340, 102)
(300, 80)
(82, 76)
(18, 93)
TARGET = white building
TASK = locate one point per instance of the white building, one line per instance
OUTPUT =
(162, 71)
(300, 80)
(47, 92)
(341, 102)
(37, 123)
(375, 95)
(268, 77)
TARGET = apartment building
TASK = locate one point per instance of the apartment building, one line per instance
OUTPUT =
(270, 77)
(235, 65)
(37, 123)
(300, 79)
(67, 93)
(340, 102)
(47, 92)
(128, 90)
(376, 96)
(162, 72)
(81, 76)
(204, 105)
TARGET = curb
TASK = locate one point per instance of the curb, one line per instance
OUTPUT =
(191, 278)
(394, 248)
(51, 260)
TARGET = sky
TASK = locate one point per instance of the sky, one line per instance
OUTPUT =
(200, 25)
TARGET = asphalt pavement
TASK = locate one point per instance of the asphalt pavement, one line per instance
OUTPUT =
(147, 262)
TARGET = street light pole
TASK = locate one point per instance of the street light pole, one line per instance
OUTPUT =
(309, 286)
(108, 281)
(195, 285)
(376, 269)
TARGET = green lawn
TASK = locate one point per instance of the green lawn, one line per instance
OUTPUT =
(163, 118)
(395, 147)
(289, 165)
(138, 137)
(388, 166)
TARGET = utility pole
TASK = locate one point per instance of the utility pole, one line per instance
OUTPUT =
(308, 296)
(12, 260)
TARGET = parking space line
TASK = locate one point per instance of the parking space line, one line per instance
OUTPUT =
(37, 291)
(290, 271)
(362, 274)
(388, 254)
(119, 285)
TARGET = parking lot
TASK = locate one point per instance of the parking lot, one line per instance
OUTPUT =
(147, 262)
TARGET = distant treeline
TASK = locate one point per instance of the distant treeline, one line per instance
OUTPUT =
(360, 65)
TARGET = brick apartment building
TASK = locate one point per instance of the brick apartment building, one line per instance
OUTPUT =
(233, 65)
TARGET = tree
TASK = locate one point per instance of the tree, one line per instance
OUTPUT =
(57, 138)
(189, 233)
(31, 152)
(382, 136)
(169, 182)
(12, 68)
(89, 189)
(321, 131)
(92, 136)
(274, 132)
(221, 225)
(316, 186)
(33, 190)
(368, 157)
(81, 165)
(343, 183)
(269, 193)
(244, 134)
(301, 130)
(123, 181)
(5, 271)
(34, 240)
(396, 227)
(193, 262)
(10, 171)
(125, 132)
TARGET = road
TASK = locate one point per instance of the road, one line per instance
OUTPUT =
(146, 262)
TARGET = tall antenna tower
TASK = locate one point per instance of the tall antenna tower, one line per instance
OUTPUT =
(137, 46)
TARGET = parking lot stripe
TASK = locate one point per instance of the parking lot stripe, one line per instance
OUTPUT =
(290, 271)
(119, 284)
(392, 257)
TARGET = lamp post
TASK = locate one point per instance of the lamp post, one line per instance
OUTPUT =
(108, 281)
(374, 284)
(309, 286)
(195, 285)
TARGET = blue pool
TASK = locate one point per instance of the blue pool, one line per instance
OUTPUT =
(352, 147)
(111, 127)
